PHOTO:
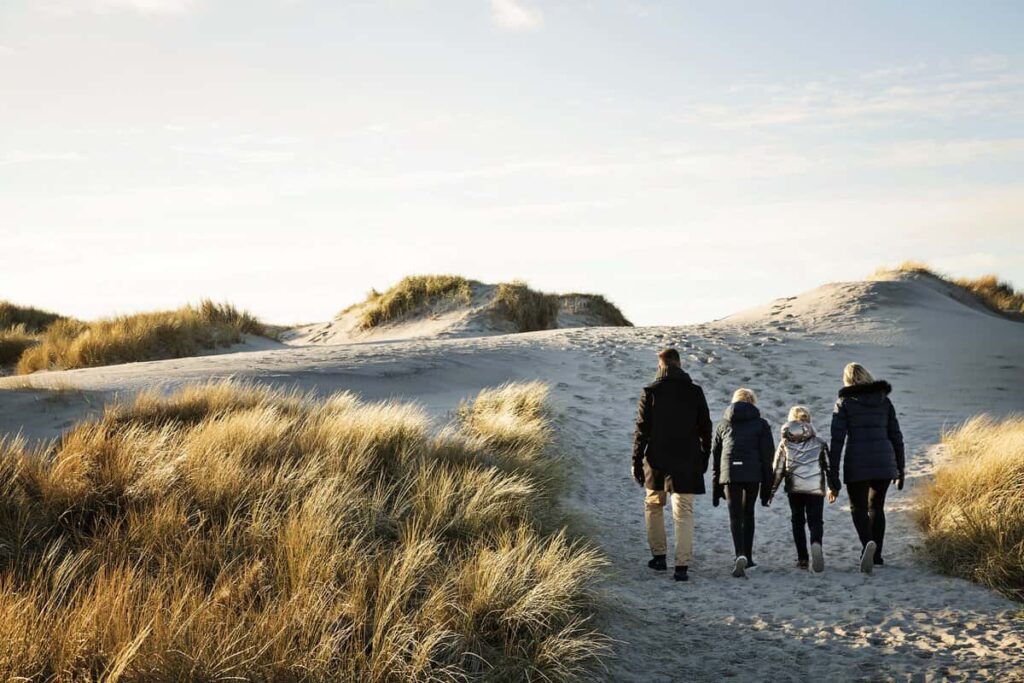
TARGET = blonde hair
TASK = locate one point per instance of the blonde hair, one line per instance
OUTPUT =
(855, 373)
(799, 414)
(744, 395)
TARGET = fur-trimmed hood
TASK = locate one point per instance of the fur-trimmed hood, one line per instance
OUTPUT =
(880, 388)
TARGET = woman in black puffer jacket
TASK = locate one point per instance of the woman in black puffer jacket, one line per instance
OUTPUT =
(865, 423)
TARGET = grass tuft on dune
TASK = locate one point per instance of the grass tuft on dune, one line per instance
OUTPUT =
(411, 294)
(972, 512)
(232, 531)
(528, 309)
(20, 328)
(68, 344)
(30, 320)
(998, 295)
(14, 341)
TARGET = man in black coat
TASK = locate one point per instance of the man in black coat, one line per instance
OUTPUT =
(671, 447)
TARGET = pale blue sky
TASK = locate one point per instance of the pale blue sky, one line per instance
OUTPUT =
(685, 159)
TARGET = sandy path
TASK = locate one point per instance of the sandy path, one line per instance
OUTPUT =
(903, 622)
(945, 361)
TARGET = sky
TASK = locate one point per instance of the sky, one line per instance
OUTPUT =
(686, 159)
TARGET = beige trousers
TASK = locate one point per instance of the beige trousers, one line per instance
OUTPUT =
(682, 515)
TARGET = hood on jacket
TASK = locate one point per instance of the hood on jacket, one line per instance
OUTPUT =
(797, 431)
(873, 392)
(741, 411)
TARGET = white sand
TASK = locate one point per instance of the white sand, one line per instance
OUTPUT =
(946, 361)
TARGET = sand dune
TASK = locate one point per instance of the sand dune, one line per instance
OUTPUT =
(946, 358)
(445, 318)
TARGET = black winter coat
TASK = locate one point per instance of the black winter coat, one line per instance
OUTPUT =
(743, 447)
(865, 422)
(673, 434)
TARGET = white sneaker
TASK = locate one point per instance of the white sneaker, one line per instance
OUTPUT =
(867, 558)
(740, 567)
(817, 558)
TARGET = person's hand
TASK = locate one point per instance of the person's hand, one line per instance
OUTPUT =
(638, 472)
(716, 494)
(832, 495)
(765, 502)
(899, 481)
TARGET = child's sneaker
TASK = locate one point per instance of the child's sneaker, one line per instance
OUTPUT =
(801, 563)
(739, 568)
(817, 558)
(867, 558)
(657, 563)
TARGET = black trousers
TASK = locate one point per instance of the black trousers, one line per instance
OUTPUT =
(742, 500)
(806, 510)
(867, 507)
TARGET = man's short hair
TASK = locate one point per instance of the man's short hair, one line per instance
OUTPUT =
(669, 357)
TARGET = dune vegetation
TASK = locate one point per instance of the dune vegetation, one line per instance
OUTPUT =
(972, 512)
(527, 309)
(20, 328)
(595, 306)
(31, 320)
(998, 295)
(235, 532)
(67, 343)
(411, 294)
(14, 341)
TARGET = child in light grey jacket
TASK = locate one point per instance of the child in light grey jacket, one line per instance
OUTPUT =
(802, 461)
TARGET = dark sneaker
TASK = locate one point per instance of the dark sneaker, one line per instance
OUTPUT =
(657, 563)
(751, 564)
(867, 558)
(879, 562)
(817, 558)
(680, 574)
(739, 568)
(802, 563)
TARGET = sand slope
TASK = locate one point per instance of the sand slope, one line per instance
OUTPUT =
(947, 360)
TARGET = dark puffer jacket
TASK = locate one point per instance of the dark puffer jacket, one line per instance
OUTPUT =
(673, 434)
(743, 447)
(865, 422)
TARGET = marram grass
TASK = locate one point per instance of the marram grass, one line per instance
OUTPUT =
(68, 344)
(235, 532)
(972, 512)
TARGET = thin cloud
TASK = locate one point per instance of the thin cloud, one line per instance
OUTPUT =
(515, 16)
(869, 99)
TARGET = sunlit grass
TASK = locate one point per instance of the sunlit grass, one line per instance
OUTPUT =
(412, 294)
(972, 512)
(231, 531)
(68, 343)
